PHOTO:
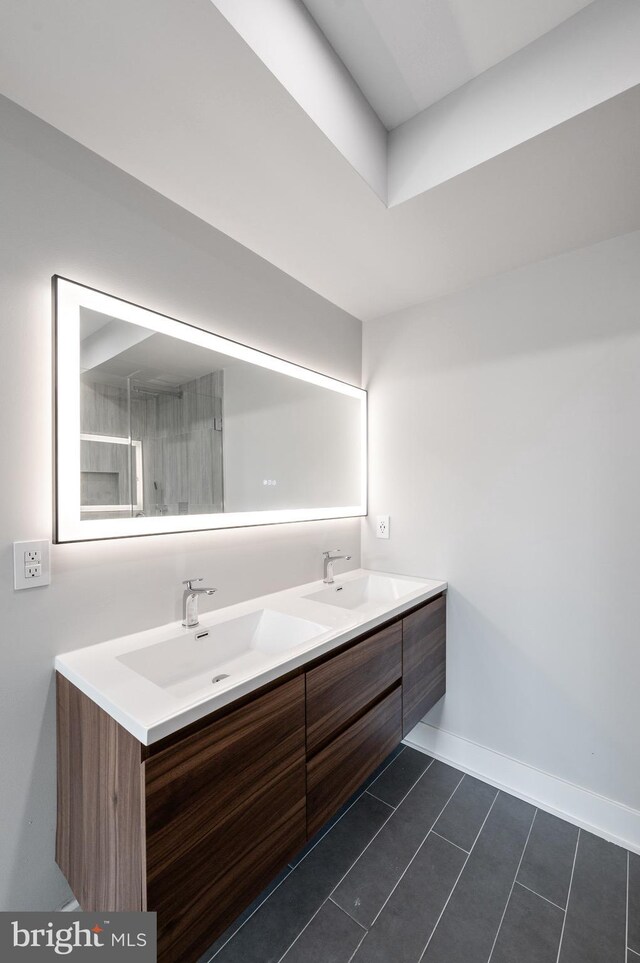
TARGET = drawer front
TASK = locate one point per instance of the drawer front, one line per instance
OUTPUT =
(337, 771)
(210, 771)
(339, 689)
(424, 661)
(204, 890)
(225, 810)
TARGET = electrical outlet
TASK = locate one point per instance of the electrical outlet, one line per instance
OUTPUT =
(31, 564)
(382, 526)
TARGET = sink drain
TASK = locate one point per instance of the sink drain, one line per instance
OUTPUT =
(219, 678)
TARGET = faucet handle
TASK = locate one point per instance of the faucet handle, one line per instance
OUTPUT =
(188, 582)
(331, 552)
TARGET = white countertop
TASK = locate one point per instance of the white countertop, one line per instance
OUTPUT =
(151, 712)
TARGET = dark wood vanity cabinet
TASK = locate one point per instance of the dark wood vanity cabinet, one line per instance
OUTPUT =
(354, 719)
(193, 831)
(424, 661)
(225, 811)
(334, 773)
(342, 686)
(196, 825)
(363, 701)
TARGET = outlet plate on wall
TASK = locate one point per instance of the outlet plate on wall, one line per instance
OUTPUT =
(31, 564)
(382, 526)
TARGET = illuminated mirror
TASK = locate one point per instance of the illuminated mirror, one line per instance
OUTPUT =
(164, 427)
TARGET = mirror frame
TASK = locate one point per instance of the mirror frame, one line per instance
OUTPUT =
(68, 298)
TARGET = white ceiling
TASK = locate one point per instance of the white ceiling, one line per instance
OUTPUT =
(170, 93)
(148, 355)
(164, 360)
(407, 54)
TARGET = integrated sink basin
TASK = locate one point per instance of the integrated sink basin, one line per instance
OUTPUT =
(208, 655)
(366, 591)
(155, 682)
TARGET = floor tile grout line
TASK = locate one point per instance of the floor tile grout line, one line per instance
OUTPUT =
(298, 935)
(413, 784)
(564, 922)
(626, 921)
(330, 899)
(377, 799)
(406, 869)
(364, 936)
(310, 921)
(220, 948)
(540, 896)
(485, 819)
(506, 905)
(390, 763)
(369, 793)
(371, 785)
(461, 848)
(453, 888)
(393, 811)
(629, 950)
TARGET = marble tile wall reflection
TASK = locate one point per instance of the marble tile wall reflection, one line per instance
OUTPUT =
(180, 431)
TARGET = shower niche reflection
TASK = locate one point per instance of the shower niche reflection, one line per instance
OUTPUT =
(150, 424)
(110, 474)
(164, 427)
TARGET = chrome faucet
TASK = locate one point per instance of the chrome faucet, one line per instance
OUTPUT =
(329, 559)
(190, 601)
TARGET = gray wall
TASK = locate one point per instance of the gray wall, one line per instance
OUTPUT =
(504, 444)
(66, 211)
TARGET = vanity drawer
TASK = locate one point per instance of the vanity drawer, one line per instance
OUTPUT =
(339, 689)
(424, 678)
(337, 771)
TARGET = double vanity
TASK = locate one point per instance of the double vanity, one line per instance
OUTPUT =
(195, 762)
(197, 758)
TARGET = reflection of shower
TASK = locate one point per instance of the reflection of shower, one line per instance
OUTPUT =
(179, 424)
(151, 391)
(160, 508)
(155, 392)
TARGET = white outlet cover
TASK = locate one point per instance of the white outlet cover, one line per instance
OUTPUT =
(23, 561)
(382, 526)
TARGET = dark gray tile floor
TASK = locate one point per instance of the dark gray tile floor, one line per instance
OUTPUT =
(427, 865)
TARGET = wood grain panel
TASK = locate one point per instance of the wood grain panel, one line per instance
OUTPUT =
(98, 834)
(337, 771)
(225, 811)
(208, 772)
(206, 888)
(339, 689)
(424, 661)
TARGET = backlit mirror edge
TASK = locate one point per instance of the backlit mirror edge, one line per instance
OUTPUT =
(67, 526)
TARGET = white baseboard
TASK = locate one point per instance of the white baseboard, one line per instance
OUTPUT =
(604, 817)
